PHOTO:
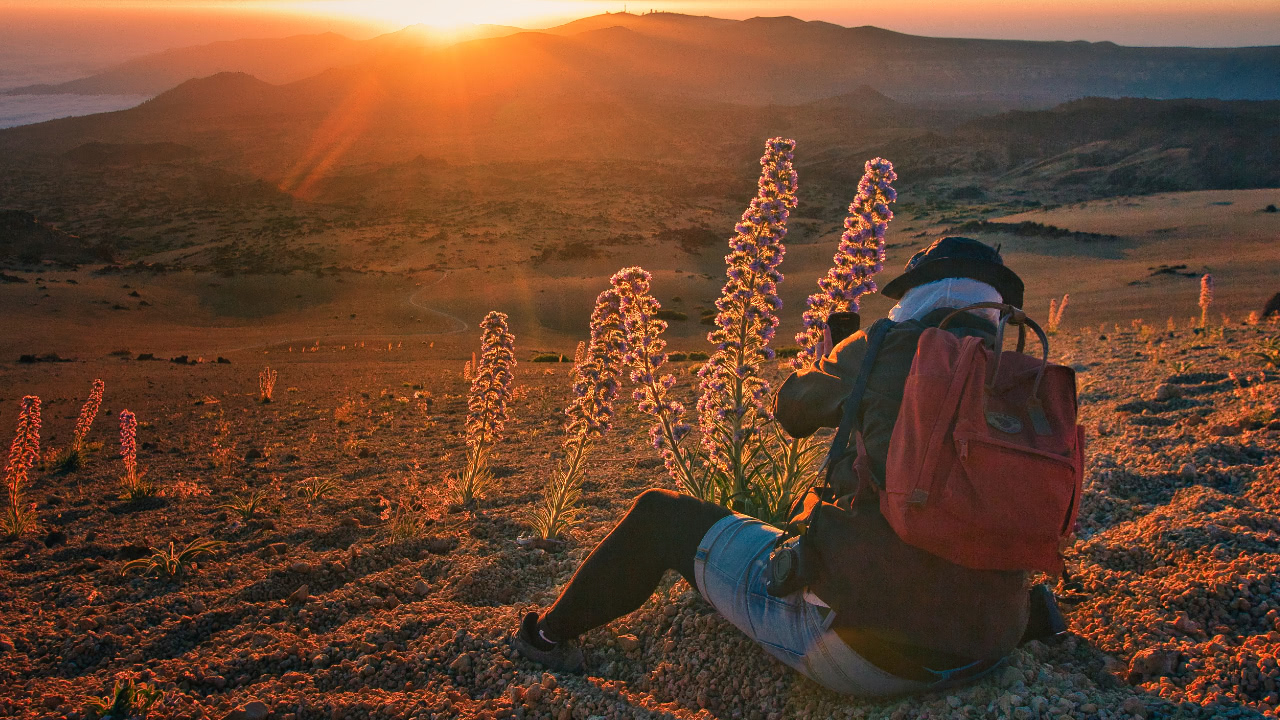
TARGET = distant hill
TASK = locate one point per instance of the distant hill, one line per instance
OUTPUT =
(1103, 146)
(664, 87)
(760, 60)
(25, 240)
(274, 60)
(103, 154)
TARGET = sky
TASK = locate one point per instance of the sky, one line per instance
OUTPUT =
(1129, 22)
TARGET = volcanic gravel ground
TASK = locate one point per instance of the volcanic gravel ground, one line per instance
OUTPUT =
(1172, 591)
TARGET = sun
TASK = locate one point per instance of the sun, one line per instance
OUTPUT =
(450, 14)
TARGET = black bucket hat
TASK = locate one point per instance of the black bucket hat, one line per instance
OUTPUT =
(951, 257)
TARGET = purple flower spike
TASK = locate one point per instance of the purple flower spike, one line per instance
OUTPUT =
(490, 389)
(858, 258)
(747, 319)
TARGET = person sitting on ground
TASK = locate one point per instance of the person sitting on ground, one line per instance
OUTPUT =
(879, 617)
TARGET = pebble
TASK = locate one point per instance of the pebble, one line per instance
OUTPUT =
(255, 710)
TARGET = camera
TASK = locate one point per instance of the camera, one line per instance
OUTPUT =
(790, 567)
(843, 324)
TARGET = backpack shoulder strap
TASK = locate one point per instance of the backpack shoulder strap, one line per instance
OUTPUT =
(840, 443)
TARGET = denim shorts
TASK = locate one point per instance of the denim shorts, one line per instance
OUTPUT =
(731, 570)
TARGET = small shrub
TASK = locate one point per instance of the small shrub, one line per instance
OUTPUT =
(699, 356)
(266, 384)
(185, 489)
(128, 699)
(677, 357)
(1268, 351)
(548, 357)
(411, 511)
(470, 485)
(346, 412)
(665, 314)
(315, 489)
(559, 509)
(172, 563)
(66, 460)
(787, 351)
(246, 506)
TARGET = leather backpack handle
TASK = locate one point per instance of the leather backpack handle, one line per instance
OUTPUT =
(1010, 314)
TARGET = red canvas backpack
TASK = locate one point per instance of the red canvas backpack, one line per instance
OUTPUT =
(986, 461)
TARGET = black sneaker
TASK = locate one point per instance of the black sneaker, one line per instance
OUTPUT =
(565, 656)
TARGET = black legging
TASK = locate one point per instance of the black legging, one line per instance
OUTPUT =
(660, 532)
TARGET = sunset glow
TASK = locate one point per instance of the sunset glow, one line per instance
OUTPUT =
(447, 15)
(1202, 23)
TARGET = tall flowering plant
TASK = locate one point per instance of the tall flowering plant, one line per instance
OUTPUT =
(486, 405)
(858, 258)
(1206, 299)
(134, 483)
(731, 408)
(87, 415)
(588, 416)
(1056, 310)
(19, 515)
(644, 357)
(743, 459)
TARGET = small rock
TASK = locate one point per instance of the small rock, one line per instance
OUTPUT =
(301, 566)
(53, 701)
(1167, 392)
(1186, 625)
(1224, 430)
(533, 693)
(1134, 706)
(300, 595)
(421, 588)
(628, 642)
(255, 710)
(461, 664)
(1151, 663)
(279, 548)
(1187, 471)
(548, 681)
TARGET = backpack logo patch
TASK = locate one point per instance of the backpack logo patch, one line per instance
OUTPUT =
(1007, 424)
